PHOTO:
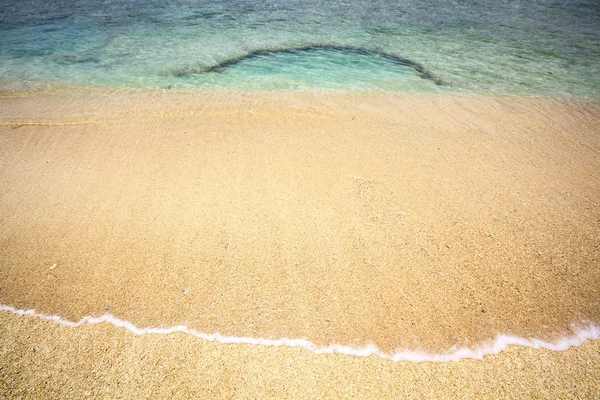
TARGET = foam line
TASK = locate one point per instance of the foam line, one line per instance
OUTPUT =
(589, 332)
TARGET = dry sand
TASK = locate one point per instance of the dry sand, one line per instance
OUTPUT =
(413, 222)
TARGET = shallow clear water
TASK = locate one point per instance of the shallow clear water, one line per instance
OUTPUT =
(540, 47)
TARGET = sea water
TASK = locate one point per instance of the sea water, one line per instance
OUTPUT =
(533, 47)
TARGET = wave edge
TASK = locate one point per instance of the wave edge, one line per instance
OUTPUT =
(582, 334)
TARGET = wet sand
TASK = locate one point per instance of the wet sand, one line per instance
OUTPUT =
(411, 222)
(44, 360)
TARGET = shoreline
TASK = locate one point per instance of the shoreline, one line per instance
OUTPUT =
(581, 335)
(43, 359)
(87, 89)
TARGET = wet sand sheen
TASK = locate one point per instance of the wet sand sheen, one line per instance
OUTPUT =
(412, 222)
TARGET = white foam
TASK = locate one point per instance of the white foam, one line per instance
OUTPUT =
(590, 331)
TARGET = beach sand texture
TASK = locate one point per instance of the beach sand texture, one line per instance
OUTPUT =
(413, 222)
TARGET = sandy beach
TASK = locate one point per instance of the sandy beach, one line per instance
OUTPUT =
(409, 222)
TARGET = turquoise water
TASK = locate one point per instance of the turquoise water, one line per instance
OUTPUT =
(539, 47)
